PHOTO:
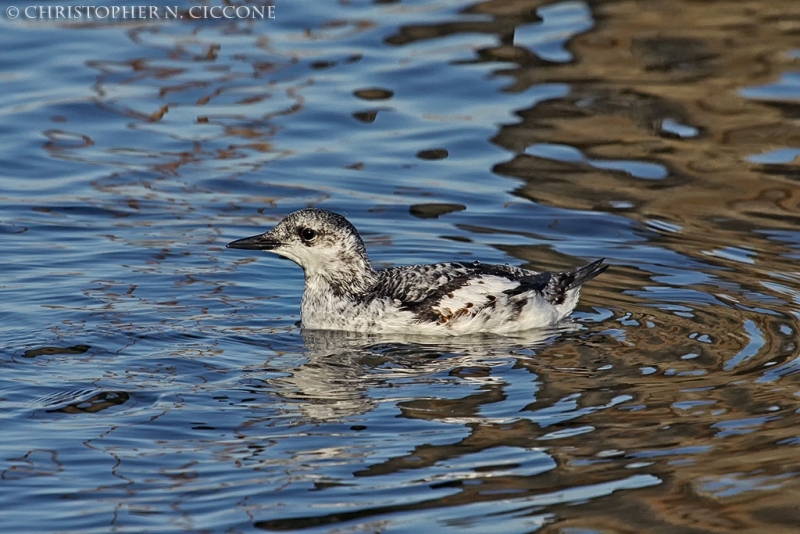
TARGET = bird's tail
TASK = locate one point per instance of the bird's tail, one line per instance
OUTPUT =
(583, 274)
(560, 283)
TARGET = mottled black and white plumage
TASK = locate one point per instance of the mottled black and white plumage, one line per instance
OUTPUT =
(344, 292)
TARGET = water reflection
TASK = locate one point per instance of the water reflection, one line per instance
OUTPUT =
(344, 369)
(658, 421)
(489, 386)
(151, 382)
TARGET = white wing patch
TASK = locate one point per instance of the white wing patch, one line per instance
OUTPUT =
(483, 305)
(471, 298)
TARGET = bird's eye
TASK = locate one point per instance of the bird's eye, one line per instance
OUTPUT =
(307, 234)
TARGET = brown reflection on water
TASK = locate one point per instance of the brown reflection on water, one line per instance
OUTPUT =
(642, 65)
(669, 61)
(704, 432)
(706, 416)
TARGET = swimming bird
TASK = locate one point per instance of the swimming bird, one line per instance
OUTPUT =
(344, 292)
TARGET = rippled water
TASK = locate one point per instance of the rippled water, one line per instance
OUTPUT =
(153, 381)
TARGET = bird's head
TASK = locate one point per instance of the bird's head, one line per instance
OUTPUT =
(323, 243)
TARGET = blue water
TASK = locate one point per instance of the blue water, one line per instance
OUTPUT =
(153, 381)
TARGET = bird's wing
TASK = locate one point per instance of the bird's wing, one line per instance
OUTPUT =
(426, 290)
(417, 283)
(432, 292)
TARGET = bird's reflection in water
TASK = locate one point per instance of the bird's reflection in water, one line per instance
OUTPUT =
(345, 370)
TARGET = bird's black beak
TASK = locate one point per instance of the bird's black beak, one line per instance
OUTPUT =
(256, 242)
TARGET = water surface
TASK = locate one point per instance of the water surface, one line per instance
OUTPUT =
(153, 381)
